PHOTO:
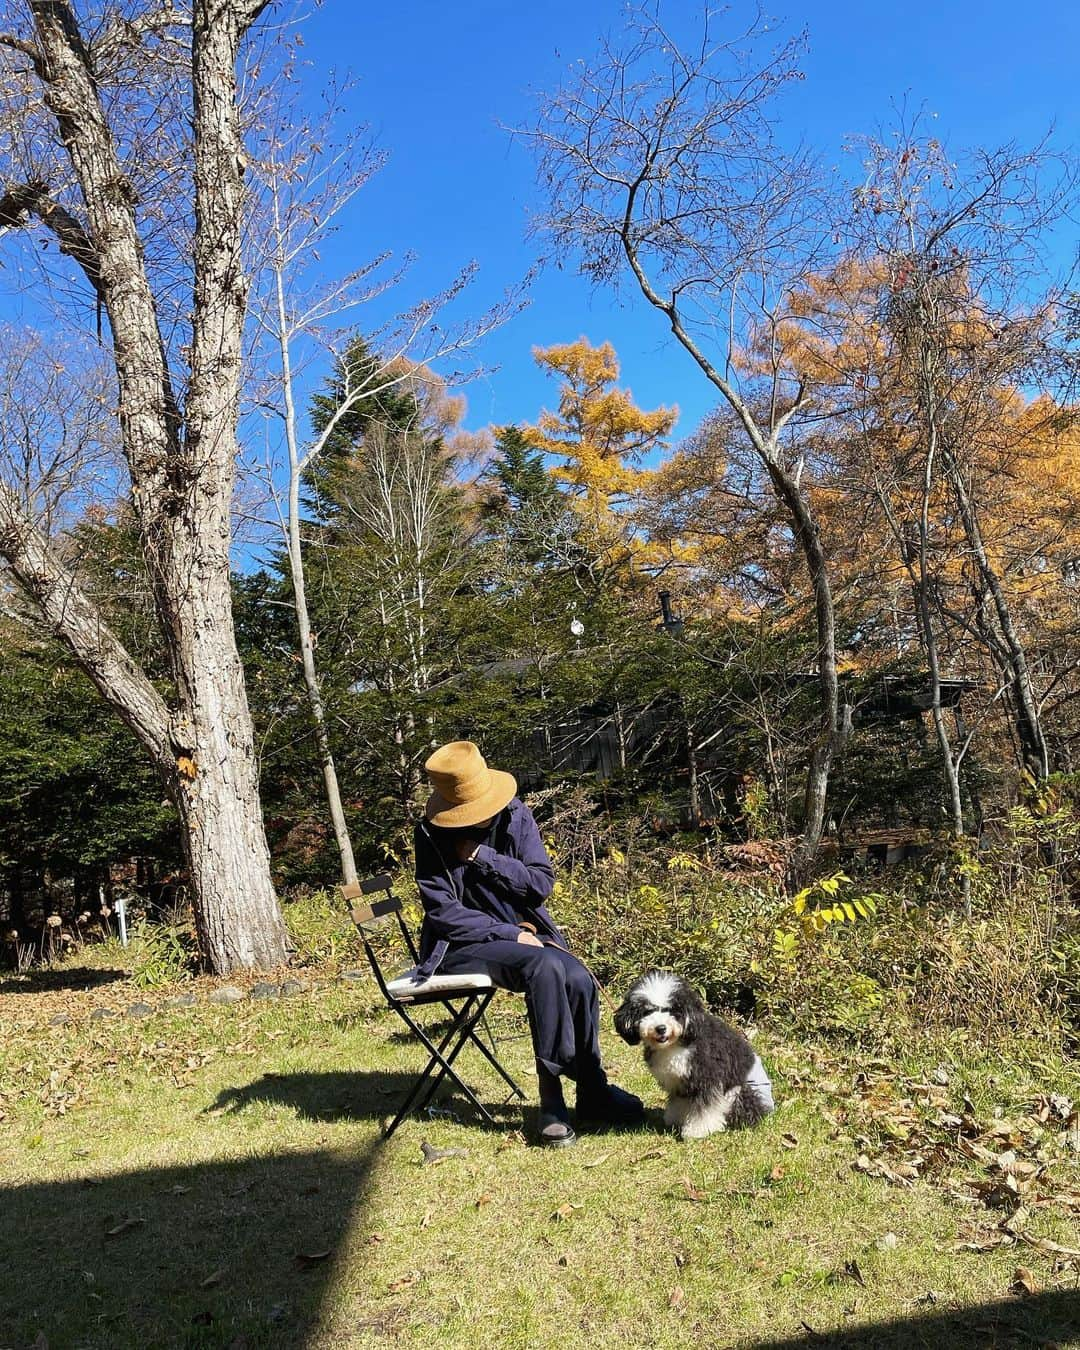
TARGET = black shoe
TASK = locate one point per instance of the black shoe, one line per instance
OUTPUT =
(554, 1129)
(603, 1104)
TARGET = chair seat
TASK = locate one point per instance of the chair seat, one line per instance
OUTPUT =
(407, 989)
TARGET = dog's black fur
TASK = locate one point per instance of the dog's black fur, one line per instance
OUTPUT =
(721, 1056)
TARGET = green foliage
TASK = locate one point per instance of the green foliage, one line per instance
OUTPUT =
(161, 954)
(320, 929)
(76, 790)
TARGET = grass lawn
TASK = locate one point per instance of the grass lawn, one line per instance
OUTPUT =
(215, 1176)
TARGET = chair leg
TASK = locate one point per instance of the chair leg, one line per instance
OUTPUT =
(468, 1033)
(436, 1053)
(463, 1027)
(489, 1055)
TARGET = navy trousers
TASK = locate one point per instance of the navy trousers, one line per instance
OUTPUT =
(560, 996)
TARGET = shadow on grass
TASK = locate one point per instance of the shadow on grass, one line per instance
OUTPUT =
(223, 1254)
(77, 978)
(343, 1096)
(1048, 1319)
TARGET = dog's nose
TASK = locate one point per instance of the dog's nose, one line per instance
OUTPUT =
(660, 1031)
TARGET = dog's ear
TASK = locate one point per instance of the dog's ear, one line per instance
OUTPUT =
(626, 1022)
(689, 1009)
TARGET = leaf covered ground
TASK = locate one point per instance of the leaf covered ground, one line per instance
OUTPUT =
(214, 1175)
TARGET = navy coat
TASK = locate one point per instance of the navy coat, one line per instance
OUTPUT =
(488, 898)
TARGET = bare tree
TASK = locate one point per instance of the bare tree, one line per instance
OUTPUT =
(307, 179)
(959, 241)
(121, 140)
(658, 162)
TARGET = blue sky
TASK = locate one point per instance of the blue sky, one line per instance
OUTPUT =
(439, 82)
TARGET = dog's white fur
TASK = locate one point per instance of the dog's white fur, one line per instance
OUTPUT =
(709, 1070)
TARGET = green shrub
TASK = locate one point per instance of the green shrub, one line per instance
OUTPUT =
(161, 954)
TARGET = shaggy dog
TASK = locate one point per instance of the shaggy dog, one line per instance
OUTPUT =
(712, 1076)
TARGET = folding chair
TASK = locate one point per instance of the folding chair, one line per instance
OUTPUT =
(465, 997)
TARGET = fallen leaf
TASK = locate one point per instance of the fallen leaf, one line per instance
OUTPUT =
(677, 1297)
(426, 1219)
(597, 1162)
(124, 1227)
(437, 1155)
(852, 1271)
(305, 1260)
(564, 1212)
(1049, 1246)
(406, 1282)
(645, 1157)
(483, 1200)
(213, 1279)
(1012, 1223)
(1023, 1282)
(179, 1190)
(693, 1192)
(777, 1174)
(888, 1242)
(790, 1140)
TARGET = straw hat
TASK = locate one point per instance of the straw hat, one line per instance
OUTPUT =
(466, 791)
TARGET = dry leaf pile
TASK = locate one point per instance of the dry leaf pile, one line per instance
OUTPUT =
(1008, 1168)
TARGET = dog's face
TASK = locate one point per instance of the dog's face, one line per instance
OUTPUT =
(660, 1009)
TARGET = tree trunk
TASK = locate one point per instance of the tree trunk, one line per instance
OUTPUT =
(181, 471)
(298, 578)
(1028, 722)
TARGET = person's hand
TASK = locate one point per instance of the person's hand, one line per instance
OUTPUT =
(529, 939)
(466, 849)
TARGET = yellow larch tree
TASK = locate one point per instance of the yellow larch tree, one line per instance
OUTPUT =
(597, 437)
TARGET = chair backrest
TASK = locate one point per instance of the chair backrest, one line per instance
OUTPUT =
(370, 914)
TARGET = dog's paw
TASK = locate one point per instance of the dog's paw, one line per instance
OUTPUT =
(699, 1129)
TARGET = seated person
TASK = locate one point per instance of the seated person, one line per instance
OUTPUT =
(484, 874)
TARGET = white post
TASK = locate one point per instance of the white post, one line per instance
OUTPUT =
(121, 915)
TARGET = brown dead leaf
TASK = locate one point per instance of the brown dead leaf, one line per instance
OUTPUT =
(1023, 1282)
(646, 1157)
(179, 1190)
(305, 1260)
(426, 1220)
(986, 1243)
(482, 1200)
(597, 1162)
(565, 1212)
(124, 1227)
(677, 1297)
(852, 1271)
(789, 1140)
(1050, 1247)
(186, 767)
(406, 1282)
(693, 1192)
(777, 1174)
(1015, 1221)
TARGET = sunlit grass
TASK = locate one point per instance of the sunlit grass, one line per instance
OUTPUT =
(213, 1173)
